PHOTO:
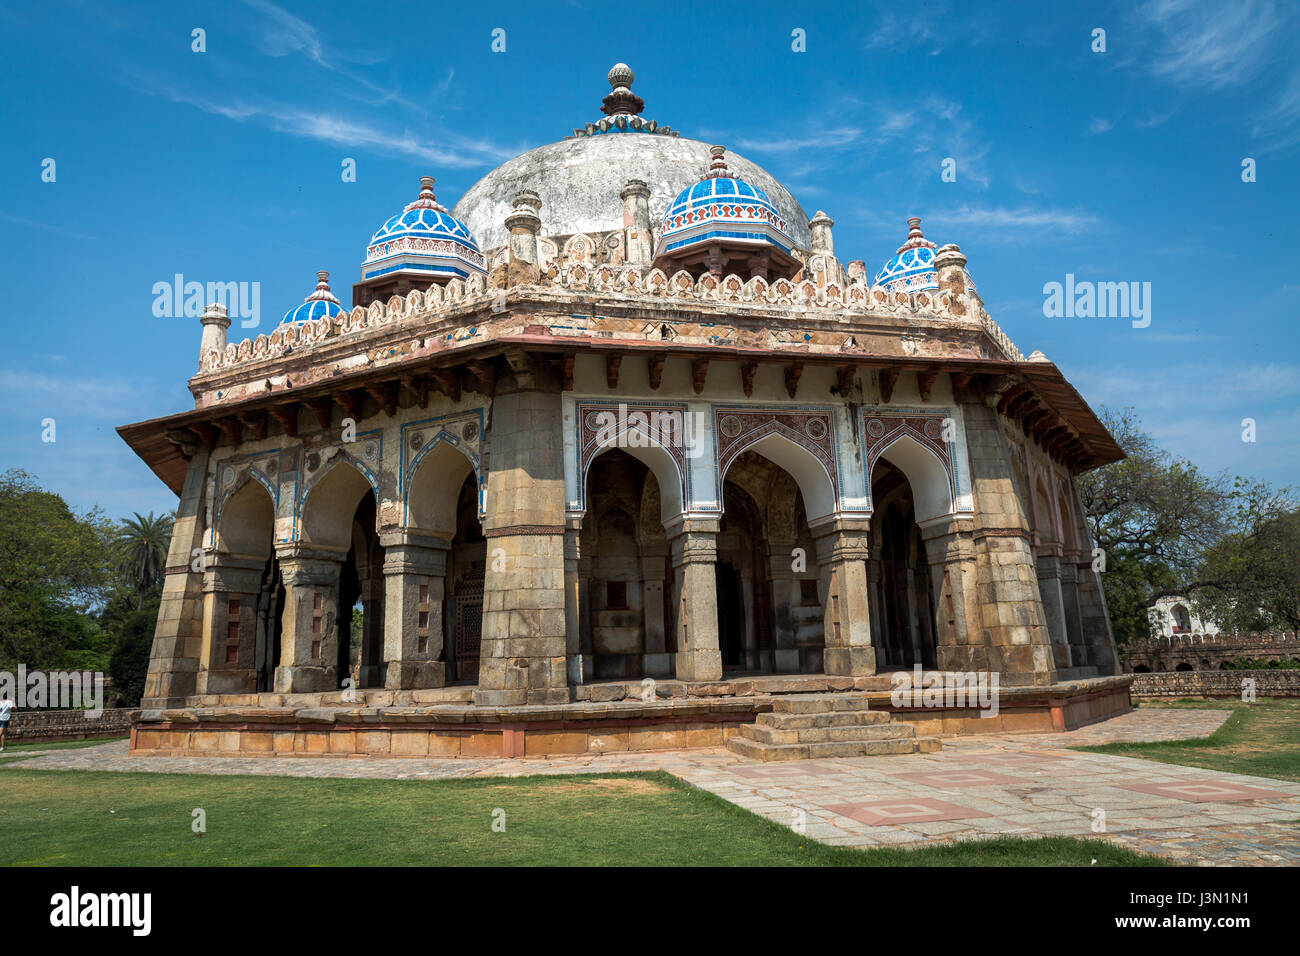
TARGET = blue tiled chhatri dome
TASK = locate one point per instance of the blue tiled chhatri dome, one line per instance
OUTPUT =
(911, 269)
(321, 304)
(722, 206)
(425, 239)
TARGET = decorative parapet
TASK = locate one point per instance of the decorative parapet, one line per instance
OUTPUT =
(626, 284)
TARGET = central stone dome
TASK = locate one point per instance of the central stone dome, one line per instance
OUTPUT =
(579, 179)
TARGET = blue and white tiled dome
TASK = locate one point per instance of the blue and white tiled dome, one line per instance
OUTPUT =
(722, 206)
(426, 239)
(321, 304)
(911, 269)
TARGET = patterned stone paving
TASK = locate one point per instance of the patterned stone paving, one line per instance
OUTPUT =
(976, 787)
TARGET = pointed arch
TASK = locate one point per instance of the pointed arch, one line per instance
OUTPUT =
(432, 493)
(925, 471)
(808, 471)
(662, 464)
(327, 506)
(245, 521)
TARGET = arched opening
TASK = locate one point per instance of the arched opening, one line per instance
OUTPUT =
(361, 601)
(903, 620)
(245, 532)
(339, 517)
(1184, 667)
(466, 578)
(1182, 619)
(770, 605)
(1142, 669)
(624, 572)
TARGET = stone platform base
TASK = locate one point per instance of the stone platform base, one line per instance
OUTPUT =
(607, 718)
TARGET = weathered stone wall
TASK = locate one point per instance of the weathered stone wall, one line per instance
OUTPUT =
(1203, 652)
(28, 726)
(1268, 683)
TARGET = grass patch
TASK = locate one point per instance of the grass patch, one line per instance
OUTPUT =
(1260, 739)
(93, 818)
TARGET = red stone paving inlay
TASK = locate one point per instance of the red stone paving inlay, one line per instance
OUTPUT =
(879, 813)
(958, 778)
(1206, 791)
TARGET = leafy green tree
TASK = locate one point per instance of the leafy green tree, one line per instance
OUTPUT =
(130, 659)
(142, 543)
(53, 569)
(1250, 579)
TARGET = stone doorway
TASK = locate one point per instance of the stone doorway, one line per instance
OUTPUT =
(903, 604)
(466, 577)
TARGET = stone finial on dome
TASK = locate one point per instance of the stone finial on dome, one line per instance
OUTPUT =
(322, 293)
(621, 100)
(915, 237)
(717, 165)
(426, 199)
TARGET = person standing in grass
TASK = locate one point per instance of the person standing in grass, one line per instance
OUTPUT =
(6, 708)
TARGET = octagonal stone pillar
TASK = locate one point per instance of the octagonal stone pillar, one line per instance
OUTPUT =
(415, 575)
(309, 630)
(231, 586)
(694, 547)
(842, 551)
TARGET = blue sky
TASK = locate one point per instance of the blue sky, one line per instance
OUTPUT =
(225, 166)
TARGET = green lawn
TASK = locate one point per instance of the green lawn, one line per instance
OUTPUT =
(95, 818)
(1260, 739)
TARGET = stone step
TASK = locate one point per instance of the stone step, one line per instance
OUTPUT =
(838, 718)
(818, 703)
(810, 735)
(813, 751)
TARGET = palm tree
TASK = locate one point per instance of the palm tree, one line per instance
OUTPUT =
(142, 544)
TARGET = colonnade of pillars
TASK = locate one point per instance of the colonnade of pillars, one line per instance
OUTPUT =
(402, 647)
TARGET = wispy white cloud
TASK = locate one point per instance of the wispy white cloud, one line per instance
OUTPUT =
(1013, 223)
(1210, 44)
(1216, 47)
(1099, 125)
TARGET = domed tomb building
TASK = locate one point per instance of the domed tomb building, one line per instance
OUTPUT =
(620, 413)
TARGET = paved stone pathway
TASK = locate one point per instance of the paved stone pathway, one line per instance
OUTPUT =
(975, 788)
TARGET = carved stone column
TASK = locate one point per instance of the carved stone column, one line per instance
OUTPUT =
(573, 607)
(961, 642)
(1049, 587)
(309, 628)
(842, 551)
(415, 576)
(786, 598)
(656, 661)
(1070, 609)
(695, 557)
(228, 658)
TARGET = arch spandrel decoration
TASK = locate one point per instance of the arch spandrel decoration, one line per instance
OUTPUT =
(884, 428)
(232, 475)
(654, 433)
(318, 465)
(463, 431)
(739, 427)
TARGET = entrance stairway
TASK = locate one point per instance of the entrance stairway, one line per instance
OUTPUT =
(812, 726)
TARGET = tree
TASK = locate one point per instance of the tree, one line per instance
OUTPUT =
(142, 544)
(53, 568)
(130, 660)
(1250, 579)
(1157, 509)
